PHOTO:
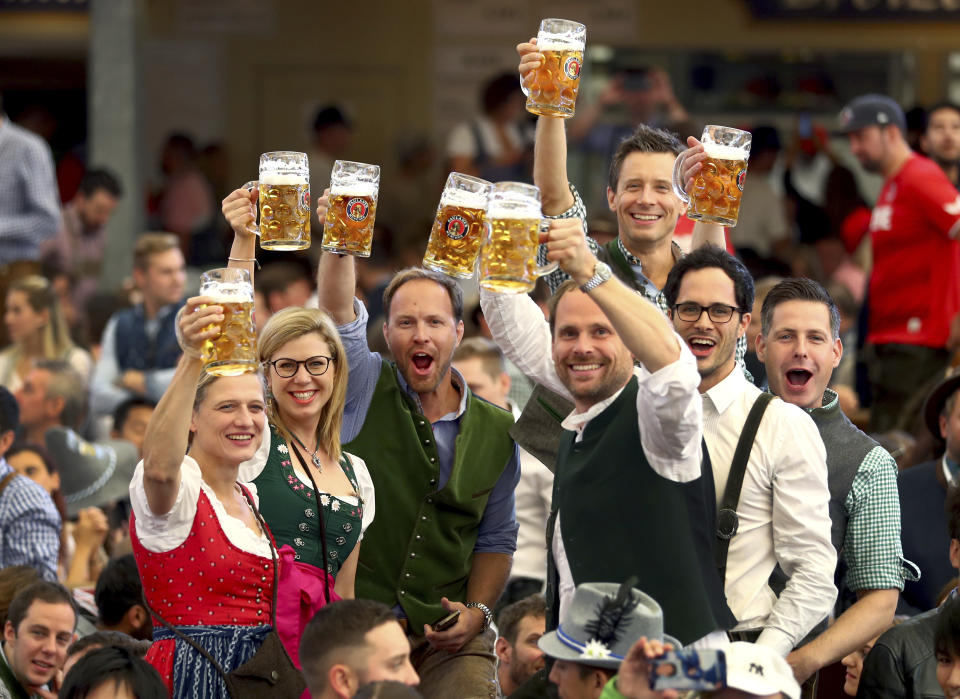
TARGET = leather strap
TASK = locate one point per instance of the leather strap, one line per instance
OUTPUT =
(323, 525)
(727, 521)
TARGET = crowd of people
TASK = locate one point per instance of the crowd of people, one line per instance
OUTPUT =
(690, 459)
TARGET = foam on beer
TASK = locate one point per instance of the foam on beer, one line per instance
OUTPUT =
(513, 209)
(464, 199)
(268, 178)
(228, 293)
(558, 42)
(354, 189)
(722, 152)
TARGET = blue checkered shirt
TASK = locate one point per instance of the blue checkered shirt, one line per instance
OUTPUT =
(29, 525)
(29, 198)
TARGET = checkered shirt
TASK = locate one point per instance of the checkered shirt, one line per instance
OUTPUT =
(29, 198)
(29, 525)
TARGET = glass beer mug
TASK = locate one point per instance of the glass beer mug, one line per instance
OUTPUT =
(284, 189)
(508, 259)
(458, 228)
(234, 350)
(551, 88)
(353, 207)
(717, 188)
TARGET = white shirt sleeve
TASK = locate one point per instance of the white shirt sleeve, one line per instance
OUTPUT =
(366, 489)
(461, 142)
(670, 417)
(519, 328)
(801, 529)
(161, 533)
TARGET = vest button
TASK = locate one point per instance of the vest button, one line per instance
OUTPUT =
(426, 442)
(423, 518)
(433, 481)
(274, 675)
(433, 461)
(429, 501)
(421, 423)
(413, 555)
(403, 592)
(406, 575)
(304, 527)
(418, 537)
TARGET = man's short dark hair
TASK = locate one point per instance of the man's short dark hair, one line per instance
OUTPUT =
(277, 276)
(510, 617)
(101, 639)
(9, 411)
(704, 258)
(43, 591)
(337, 627)
(487, 351)
(118, 589)
(946, 636)
(327, 116)
(100, 179)
(499, 89)
(412, 274)
(122, 413)
(798, 289)
(645, 139)
(945, 104)
(119, 666)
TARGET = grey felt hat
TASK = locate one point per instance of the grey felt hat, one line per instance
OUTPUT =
(602, 622)
(92, 474)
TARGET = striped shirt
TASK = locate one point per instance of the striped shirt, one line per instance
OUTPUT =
(29, 525)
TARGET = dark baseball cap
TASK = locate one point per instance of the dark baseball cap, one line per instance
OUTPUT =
(871, 110)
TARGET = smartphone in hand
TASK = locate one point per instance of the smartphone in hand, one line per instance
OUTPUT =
(704, 670)
(446, 622)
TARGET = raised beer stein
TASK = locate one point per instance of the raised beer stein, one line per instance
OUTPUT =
(234, 350)
(717, 188)
(353, 207)
(551, 89)
(508, 259)
(284, 188)
(458, 228)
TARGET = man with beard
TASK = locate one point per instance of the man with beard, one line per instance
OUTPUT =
(800, 347)
(443, 464)
(915, 282)
(771, 488)
(521, 625)
(941, 139)
(631, 446)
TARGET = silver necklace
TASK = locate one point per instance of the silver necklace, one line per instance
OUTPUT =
(313, 457)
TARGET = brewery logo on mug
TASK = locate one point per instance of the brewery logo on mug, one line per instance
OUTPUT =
(741, 176)
(457, 227)
(572, 67)
(305, 203)
(357, 209)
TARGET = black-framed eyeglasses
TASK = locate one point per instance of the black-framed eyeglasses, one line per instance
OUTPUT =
(316, 366)
(717, 312)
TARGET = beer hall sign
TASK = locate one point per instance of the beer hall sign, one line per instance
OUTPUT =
(856, 9)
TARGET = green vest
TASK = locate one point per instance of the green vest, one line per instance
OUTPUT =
(11, 683)
(619, 518)
(419, 547)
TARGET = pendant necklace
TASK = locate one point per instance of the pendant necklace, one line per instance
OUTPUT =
(314, 457)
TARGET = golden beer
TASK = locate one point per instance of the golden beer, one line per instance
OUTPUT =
(508, 263)
(284, 213)
(552, 87)
(717, 188)
(349, 224)
(234, 350)
(458, 228)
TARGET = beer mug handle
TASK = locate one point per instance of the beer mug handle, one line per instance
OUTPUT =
(550, 266)
(678, 179)
(252, 227)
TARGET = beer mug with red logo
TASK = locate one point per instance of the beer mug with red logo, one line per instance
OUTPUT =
(458, 228)
(284, 189)
(353, 207)
(717, 188)
(551, 88)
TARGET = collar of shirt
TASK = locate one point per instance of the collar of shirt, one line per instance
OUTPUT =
(650, 291)
(828, 404)
(727, 391)
(576, 421)
(5, 467)
(457, 378)
(949, 469)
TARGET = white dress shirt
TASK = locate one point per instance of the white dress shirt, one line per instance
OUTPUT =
(783, 513)
(533, 495)
(669, 411)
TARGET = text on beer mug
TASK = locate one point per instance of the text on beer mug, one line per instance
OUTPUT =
(284, 198)
(718, 187)
(353, 207)
(508, 258)
(234, 350)
(551, 88)
(458, 227)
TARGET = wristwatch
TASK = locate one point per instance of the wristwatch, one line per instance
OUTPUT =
(487, 614)
(601, 273)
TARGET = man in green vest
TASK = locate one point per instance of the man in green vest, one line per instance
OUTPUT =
(444, 468)
(632, 444)
(40, 626)
(800, 347)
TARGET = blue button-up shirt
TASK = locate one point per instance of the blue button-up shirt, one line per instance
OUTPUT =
(29, 525)
(498, 527)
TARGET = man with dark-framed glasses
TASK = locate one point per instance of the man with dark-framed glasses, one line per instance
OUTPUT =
(768, 460)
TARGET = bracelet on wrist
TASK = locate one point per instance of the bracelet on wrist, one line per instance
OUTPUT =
(245, 259)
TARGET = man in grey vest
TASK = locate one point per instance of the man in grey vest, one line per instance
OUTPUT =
(771, 487)
(630, 445)
(800, 346)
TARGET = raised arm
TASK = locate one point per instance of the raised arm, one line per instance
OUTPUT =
(165, 441)
(703, 233)
(239, 208)
(336, 277)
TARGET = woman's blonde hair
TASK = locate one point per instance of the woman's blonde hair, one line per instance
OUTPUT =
(290, 324)
(42, 297)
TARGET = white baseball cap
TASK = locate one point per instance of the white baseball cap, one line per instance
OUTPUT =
(759, 670)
